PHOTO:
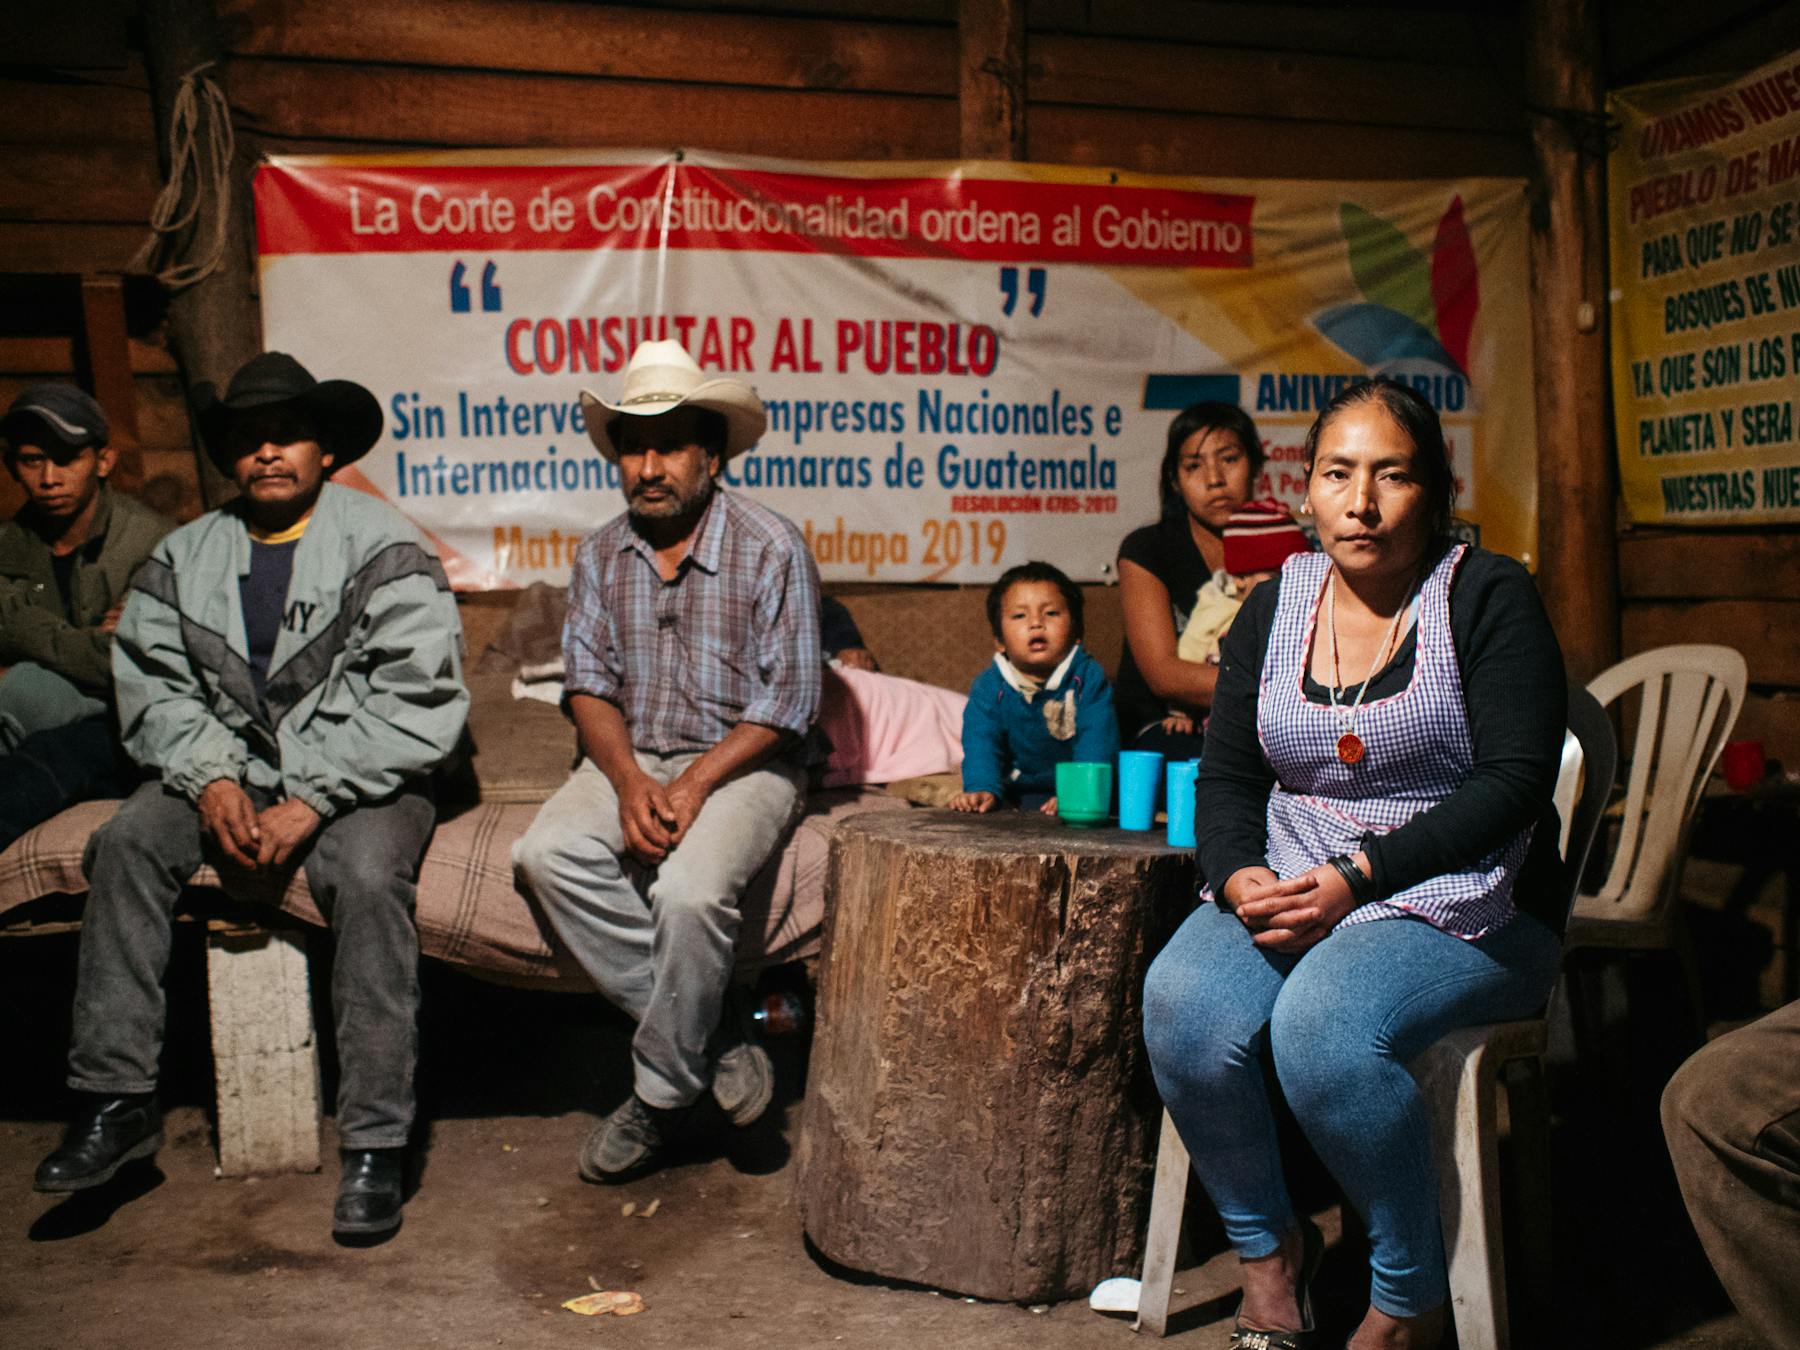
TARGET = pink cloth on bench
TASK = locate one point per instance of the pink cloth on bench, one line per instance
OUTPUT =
(884, 729)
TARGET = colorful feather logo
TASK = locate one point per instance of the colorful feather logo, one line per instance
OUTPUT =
(1414, 307)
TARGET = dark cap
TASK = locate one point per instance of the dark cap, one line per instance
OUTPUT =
(54, 417)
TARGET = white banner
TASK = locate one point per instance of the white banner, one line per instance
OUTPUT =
(964, 366)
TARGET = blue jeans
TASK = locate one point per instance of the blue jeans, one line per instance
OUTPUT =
(1341, 1022)
(362, 867)
(34, 698)
(57, 767)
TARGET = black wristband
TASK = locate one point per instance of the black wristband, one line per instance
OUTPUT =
(1362, 888)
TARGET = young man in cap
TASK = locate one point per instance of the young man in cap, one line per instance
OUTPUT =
(692, 656)
(65, 561)
(290, 664)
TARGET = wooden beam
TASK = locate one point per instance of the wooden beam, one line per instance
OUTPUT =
(45, 246)
(1767, 632)
(1150, 141)
(73, 33)
(55, 356)
(908, 11)
(991, 94)
(57, 110)
(1427, 34)
(1645, 37)
(1243, 147)
(626, 42)
(87, 183)
(103, 357)
(1709, 565)
(1577, 560)
(1296, 86)
(616, 41)
(1738, 43)
(214, 326)
(330, 101)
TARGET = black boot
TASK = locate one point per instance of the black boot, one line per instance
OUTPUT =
(370, 1194)
(106, 1134)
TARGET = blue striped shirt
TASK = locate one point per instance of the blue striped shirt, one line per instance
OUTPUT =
(733, 638)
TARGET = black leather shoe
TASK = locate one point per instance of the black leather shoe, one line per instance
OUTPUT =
(370, 1194)
(105, 1136)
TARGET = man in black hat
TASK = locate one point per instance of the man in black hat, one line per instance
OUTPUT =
(290, 665)
(65, 561)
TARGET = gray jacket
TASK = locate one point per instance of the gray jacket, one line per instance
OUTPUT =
(365, 686)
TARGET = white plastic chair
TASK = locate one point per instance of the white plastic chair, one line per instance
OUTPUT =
(1691, 697)
(1459, 1077)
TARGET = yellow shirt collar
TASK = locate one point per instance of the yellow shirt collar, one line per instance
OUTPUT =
(287, 536)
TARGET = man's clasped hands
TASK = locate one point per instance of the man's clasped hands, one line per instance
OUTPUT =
(252, 838)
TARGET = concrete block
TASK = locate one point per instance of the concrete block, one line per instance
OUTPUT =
(265, 1056)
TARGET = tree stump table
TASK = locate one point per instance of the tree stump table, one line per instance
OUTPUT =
(979, 1111)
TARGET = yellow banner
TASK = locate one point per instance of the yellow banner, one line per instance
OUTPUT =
(1705, 230)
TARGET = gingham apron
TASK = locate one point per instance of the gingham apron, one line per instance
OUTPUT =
(1418, 752)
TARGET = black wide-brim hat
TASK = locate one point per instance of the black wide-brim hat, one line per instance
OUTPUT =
(347, 415)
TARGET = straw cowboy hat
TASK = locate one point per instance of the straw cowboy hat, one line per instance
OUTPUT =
(347, 416)
(662, 377)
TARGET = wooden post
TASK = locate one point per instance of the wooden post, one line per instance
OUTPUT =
(103, 364)
(214, 325)
(991, 38)
(1577, 555)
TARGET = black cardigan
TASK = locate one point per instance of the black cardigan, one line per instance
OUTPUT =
(1517, 701)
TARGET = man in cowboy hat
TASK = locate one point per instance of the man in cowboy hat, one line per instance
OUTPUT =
(692, 657)
(65, 561)
(290, 665)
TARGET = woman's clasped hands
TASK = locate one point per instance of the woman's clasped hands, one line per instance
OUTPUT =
(1294, 915)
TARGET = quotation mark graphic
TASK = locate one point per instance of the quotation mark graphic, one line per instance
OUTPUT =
(459, 290)
(1035, 280)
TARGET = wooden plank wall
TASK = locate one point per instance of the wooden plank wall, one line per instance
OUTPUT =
(1295, 90)
(1288, 90)
(78, 156)
(1736, 587)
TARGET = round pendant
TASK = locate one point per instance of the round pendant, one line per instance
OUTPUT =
(1350, 748)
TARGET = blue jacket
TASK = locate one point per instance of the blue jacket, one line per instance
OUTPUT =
(1007, 747)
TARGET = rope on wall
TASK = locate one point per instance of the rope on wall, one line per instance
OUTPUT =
(201, 142)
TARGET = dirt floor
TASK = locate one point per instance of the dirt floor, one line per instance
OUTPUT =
(501, 1231)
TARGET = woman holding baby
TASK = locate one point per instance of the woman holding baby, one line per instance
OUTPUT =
(1182, 579)
(1379, 848)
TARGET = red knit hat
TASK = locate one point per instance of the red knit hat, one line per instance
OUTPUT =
(1260, 536)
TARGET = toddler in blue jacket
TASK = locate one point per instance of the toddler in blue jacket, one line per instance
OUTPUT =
(1043, 702)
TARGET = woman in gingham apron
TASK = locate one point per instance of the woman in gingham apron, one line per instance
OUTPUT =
(1376, 831)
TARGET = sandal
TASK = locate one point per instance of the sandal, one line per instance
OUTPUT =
(1312, 1251)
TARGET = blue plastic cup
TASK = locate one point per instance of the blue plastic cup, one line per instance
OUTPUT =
(1140, 772)
(1180, 798)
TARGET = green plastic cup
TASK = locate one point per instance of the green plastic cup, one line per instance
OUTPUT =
(1084, 793)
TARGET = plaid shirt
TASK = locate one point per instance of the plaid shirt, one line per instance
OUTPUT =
(733, 638)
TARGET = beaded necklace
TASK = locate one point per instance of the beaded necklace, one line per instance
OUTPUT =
(1350, 747)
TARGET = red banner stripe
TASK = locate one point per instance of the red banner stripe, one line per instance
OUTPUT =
(341, 208)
